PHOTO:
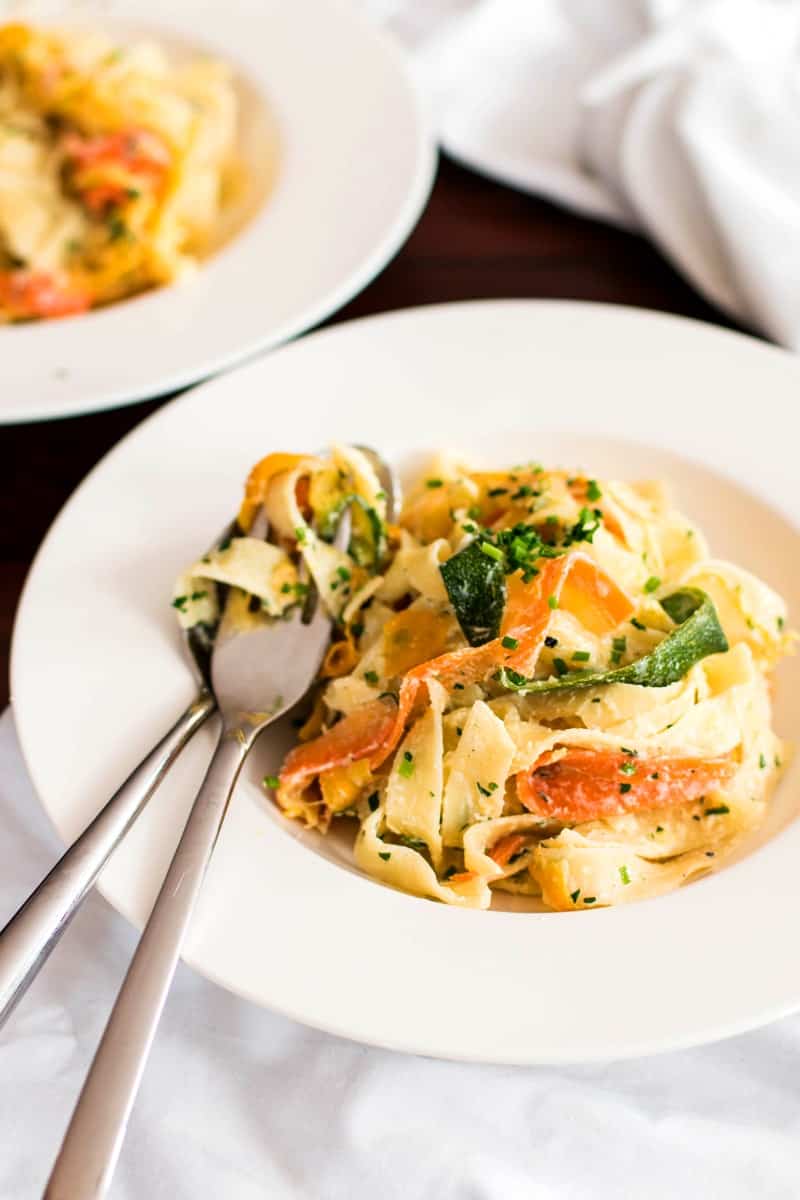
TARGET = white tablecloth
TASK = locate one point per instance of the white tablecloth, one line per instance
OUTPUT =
(238, 1104)
(678, 118)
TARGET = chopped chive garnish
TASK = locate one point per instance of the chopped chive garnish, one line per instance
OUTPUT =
(373, 801)
(550, 642)
(590, 899)
(385, 855)
(652, 583)
(552, 601)
(581, 656)
(574, 895)
(628, 768)
(593, 491)
(623, 874)
(762, 762)
(624, 787)
(637, 624)
(510, 643)
(434, 483)
(271, 781)
(719, 811)
(371, 677)
(406, 768)
(560, 666)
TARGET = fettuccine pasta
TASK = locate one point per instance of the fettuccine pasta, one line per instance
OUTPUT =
(539, 682)
(115, 164)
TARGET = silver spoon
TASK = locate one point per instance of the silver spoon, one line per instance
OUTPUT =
(259, 670)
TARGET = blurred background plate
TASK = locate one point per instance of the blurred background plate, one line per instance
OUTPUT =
(284, 918)
(341, 163)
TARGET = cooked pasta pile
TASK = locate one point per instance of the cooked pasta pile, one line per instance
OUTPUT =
(539, 682)
(114, 165)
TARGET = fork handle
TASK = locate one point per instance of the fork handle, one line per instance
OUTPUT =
(94, 1137)
(30, 935)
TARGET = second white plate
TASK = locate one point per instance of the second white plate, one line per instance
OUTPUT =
(328, 109)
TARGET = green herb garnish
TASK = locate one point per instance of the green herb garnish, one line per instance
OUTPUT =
(406, 768)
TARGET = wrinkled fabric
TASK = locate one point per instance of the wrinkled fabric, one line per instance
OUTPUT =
(677, 118)
(239, 1104)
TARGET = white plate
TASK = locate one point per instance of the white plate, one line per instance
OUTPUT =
(341, 165)
(97, 675)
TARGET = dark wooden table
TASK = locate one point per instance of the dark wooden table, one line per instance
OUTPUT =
(476, 239)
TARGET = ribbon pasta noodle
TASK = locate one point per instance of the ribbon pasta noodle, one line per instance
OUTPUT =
(539, 682)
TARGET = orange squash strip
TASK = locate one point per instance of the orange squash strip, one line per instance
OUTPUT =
(586, 785)
(255, 489)
(411, 637)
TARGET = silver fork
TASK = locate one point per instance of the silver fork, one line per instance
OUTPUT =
(30, 935)
(33, 931)
(257, 674)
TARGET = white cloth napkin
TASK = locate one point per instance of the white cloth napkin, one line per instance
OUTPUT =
(239, 1104)
(679, 118)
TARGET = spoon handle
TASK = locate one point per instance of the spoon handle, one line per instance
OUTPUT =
(94, 1137)
(30, 935)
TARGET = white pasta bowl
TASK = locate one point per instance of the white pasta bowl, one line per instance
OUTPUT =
(338, 161)
(285, 918)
